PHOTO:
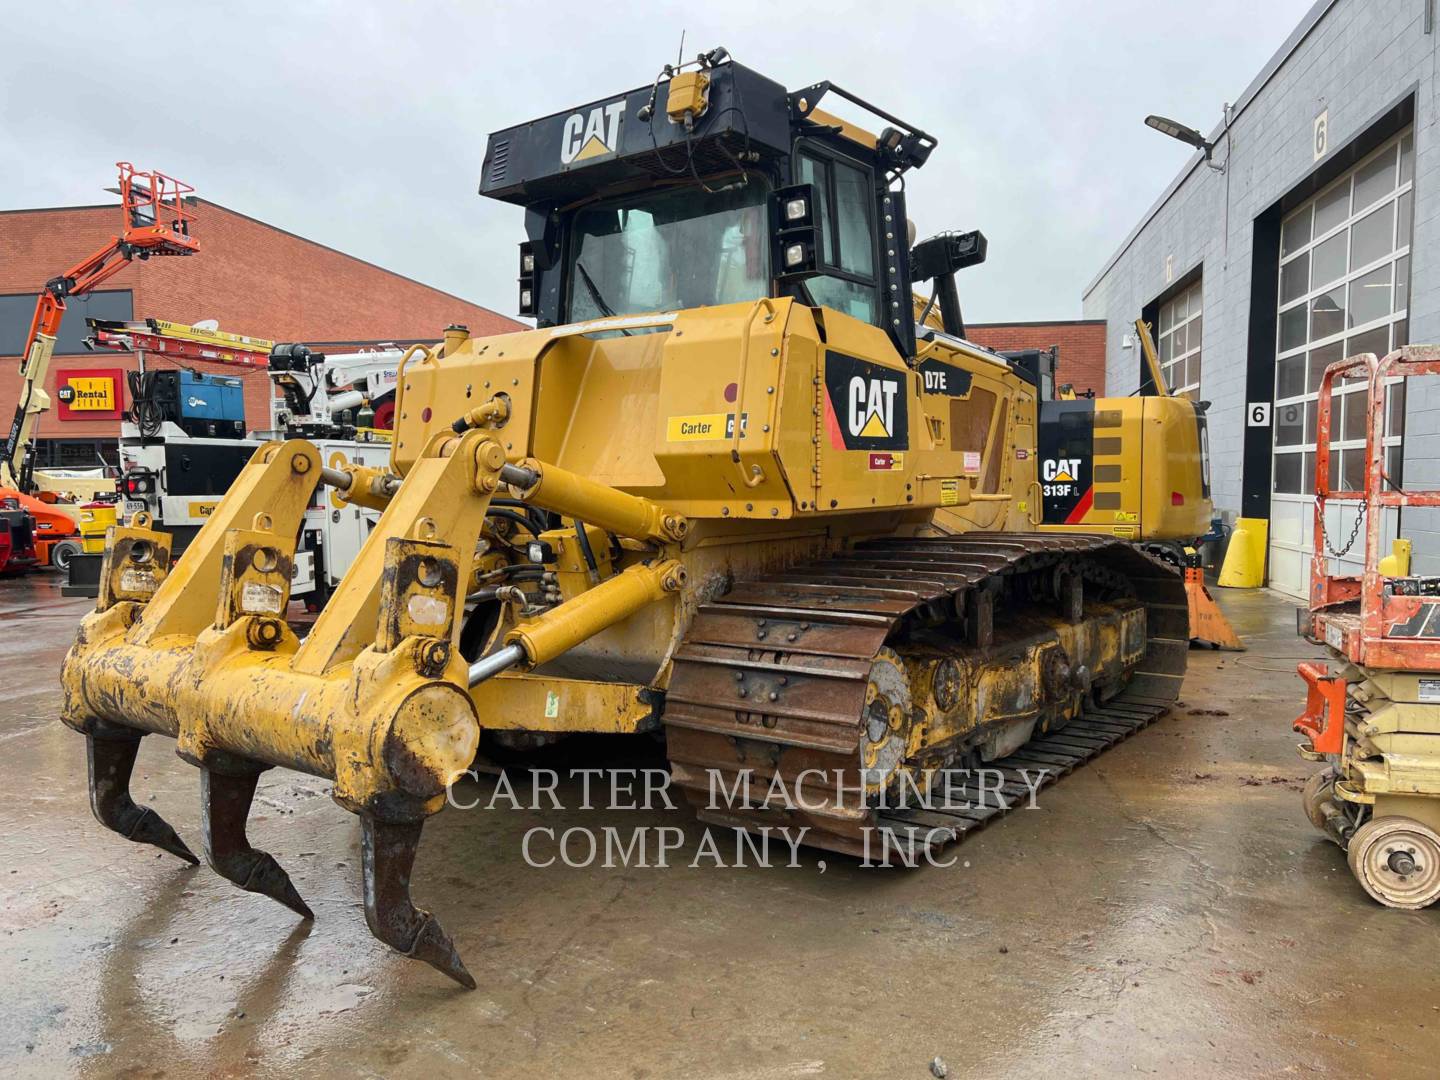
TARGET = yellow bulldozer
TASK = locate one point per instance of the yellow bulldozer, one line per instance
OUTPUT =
(701, 498)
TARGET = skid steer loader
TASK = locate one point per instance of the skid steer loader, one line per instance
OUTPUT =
(697, 499)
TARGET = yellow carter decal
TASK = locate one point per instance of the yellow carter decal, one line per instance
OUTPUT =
(702, 426)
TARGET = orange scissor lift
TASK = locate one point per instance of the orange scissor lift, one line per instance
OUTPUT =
(1372, 714)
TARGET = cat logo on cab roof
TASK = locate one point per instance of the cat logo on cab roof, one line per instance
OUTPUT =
(591, 133)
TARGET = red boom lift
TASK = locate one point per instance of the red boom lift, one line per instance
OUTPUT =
(156, 223)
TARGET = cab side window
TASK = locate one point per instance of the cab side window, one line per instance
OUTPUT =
(845, 207)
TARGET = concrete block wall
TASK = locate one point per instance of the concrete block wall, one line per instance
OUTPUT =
(1359, 58)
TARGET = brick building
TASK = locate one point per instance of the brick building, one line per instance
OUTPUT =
(251, 277)
(1080, 361)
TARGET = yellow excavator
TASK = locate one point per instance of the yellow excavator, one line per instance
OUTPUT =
(1136, 468)
(701, 498)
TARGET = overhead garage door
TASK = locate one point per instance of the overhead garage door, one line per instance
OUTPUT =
(1344, 289)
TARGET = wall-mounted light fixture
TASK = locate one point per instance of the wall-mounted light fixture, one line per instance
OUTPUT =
(1177, 130)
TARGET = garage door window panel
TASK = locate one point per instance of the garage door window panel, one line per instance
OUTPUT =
(1292, 328)
(1373, 237)
(1295, 279)
(1328, 263)
(1181, 324)
(1343, 290)
(1332, 208)
(1295, 234)
(1370, 296)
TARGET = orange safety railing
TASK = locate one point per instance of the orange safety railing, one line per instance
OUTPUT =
(1371, 642)
(155, 205)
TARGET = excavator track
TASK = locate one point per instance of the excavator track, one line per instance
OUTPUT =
(775, 677)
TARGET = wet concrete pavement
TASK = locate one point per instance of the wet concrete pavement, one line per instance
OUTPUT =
(1166, 910)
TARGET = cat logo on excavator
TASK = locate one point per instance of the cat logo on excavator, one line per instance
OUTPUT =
(1062, 470)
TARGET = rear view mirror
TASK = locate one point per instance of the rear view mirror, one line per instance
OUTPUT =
(946, 253)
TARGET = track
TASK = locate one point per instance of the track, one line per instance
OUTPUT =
(1037, 764)
(775, 678)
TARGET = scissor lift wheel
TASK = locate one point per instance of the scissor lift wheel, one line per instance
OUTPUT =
(1397, 861)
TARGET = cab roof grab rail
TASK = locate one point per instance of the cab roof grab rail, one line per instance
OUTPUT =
(907, 148)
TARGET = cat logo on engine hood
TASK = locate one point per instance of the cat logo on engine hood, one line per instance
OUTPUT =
(866, 407)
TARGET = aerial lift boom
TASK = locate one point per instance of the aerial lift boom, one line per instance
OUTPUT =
(156, 222)
(316, 386)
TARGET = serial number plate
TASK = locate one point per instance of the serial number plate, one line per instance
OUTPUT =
(1430, 689)
(1334, 637)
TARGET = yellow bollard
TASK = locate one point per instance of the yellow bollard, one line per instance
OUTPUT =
(1397, 563)
(1244, 566)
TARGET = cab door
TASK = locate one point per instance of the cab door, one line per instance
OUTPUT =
(846, 208)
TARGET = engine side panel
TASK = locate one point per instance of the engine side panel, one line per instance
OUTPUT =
(755, 410)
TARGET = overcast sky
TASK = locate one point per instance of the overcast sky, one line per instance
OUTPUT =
(362, 124)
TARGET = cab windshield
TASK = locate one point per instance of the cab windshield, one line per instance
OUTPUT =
(670, 249)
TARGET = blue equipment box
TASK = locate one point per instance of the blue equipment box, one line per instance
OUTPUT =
(211, 397)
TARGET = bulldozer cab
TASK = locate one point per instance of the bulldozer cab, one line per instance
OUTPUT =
(705, 252)
(712, 186)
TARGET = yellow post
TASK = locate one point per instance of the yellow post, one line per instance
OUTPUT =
(1244, 566)
(1397, 563)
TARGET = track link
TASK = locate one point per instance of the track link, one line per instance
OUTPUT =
(1037, 764)
(771, 679)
